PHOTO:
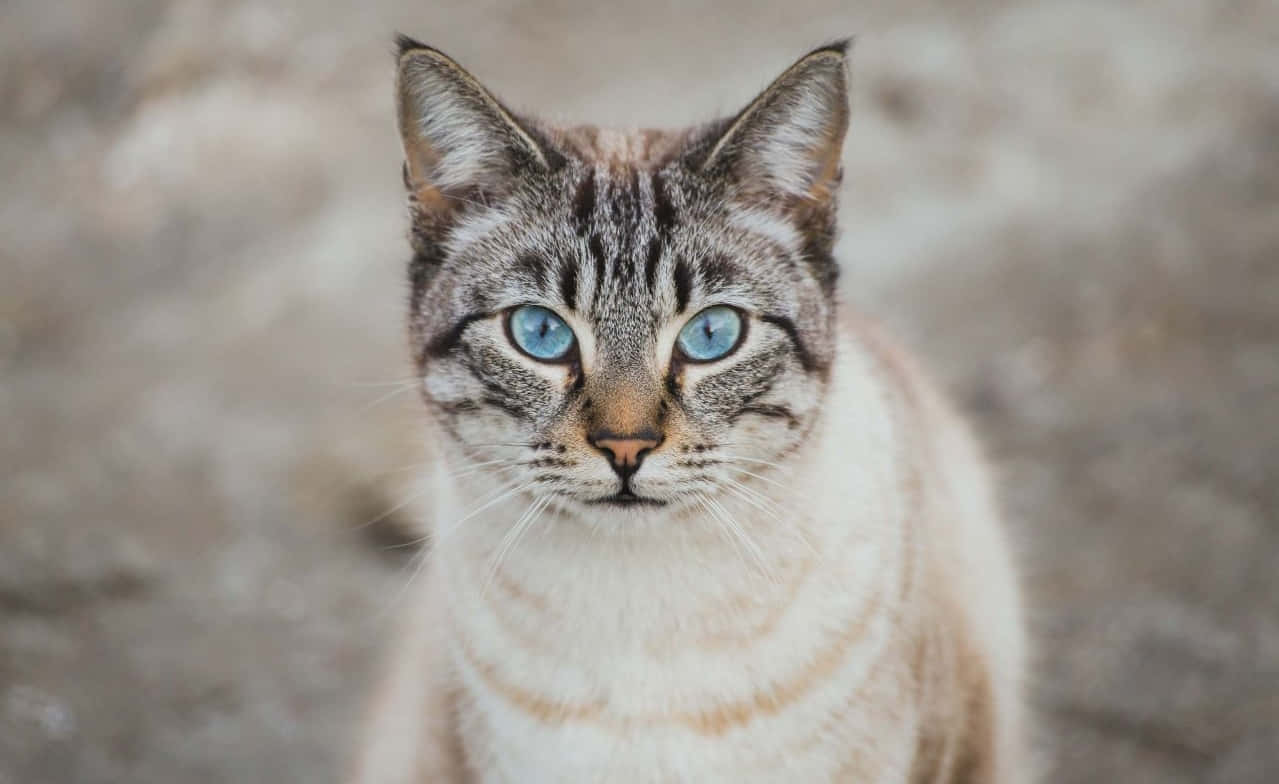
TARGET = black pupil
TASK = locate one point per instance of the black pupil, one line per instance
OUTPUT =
(706, 327)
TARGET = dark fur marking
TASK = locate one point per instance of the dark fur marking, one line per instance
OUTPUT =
(683, 285)
(597, 252)
(568, 286)
(673, 389)
(717, 272)
(769, 411)
(663, 210)
(446, 342)
(650, 264)
(822, 264)
(503, 405)
(635, 189)
(699, 463)
(584, 204)
(551, 462)
(763, 389)
(459, 407)
(534, 266)
(422, 269)
(805, 357)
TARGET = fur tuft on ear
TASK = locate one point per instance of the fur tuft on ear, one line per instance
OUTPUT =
(459, 142)
(788, 141)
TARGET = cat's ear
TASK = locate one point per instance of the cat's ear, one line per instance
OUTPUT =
(460, 143)
(787, 142)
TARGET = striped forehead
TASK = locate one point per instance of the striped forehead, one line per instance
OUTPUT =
(626, 248)
(622, 221)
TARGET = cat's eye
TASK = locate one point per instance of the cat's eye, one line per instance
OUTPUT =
(541, 334)
(712, 334)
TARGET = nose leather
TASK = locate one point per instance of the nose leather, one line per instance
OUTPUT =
(626, 451)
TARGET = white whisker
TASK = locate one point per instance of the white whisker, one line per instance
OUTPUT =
(502, 495)
(769, 463)
(508, 490)
(407, 381)
(513, 536)
(760, 502)
(733, 527)
(760, 477)
(383, 398)
(773, 509)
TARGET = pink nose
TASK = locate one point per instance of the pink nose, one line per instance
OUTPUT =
(626, 452)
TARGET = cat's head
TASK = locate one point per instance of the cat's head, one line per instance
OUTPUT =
(622, 319)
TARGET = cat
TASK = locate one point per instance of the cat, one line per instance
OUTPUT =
(694, 520)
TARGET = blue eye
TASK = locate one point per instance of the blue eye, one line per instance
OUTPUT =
(712, 334)
(540, 333)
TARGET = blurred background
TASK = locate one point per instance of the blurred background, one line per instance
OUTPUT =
(1071, 209)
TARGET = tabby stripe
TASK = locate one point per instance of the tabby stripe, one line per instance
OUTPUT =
(714, 720)
(499, 403)
(534, 266)
(683, 285)
(716, 272)
(495, 395)
(663, 210)
(650, 264)
(635, 191)
(597, 252)
(584, 203)
(770, 411)
(455, 407)
(806, 359)
(568, 285)
(444, 343)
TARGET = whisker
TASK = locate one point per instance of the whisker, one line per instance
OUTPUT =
(735, 528)
(527, 444)
(513, 536)
(720, 528)
(769, 463)
(407, 380)
(773, 509)
(417, 565)
(740, 531)
(501, 463)
(762, 503)
(383, 398)
(411, 498)
(508, 491)
(762, 478)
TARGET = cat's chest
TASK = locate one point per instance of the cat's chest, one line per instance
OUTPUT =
(832, 730)
(733, 687)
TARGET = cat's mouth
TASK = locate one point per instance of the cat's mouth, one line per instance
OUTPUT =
(627, 498)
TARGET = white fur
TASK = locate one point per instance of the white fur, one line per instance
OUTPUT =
(628, 601)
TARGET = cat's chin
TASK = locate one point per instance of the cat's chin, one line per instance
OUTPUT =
(627, 501)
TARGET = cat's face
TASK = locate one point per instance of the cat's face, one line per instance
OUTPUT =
(623, 321)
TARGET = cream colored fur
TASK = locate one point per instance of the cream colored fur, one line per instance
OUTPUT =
(872, 634)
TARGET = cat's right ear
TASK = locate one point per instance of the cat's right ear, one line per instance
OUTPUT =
(460, 144)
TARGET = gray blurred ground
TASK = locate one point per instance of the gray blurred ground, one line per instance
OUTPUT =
(1071, 209)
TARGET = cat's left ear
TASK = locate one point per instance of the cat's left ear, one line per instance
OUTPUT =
(460, 144)
(787, 142)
